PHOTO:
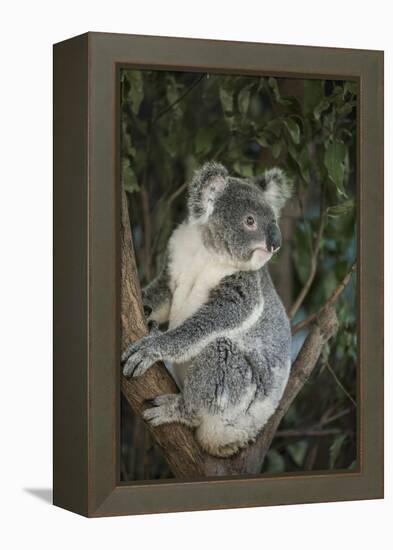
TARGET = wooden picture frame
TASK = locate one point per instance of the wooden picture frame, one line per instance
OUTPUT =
(90, 255)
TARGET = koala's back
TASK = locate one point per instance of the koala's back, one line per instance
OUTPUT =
(267, 344)
(237, 382)
(273, 329)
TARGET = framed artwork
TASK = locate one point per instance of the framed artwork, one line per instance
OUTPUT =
(218, 274)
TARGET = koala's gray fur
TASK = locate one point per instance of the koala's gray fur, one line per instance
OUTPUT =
(228, 341)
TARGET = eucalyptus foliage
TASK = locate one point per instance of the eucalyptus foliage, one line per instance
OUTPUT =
(172, 122)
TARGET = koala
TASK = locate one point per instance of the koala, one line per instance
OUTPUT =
(228, 340)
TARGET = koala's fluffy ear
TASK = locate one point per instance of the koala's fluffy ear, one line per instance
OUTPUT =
(208, 182)
(276, 187)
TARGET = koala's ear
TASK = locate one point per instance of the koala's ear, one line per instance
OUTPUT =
(208, 182)
(276, 187)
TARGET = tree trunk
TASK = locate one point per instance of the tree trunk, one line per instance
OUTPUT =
(182, 452)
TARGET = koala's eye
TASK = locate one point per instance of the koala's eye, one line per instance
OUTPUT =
(250, 221)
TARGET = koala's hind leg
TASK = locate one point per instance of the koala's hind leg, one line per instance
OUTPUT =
(169, 408)
(221, 388)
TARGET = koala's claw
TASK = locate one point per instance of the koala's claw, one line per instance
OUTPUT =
(137, 365)
(155, 416)
(154, 327)
(126, 354)
(139, 357)
(151, 416)
(130, 368)
(163, 410)
(147, 310)
(162, 399)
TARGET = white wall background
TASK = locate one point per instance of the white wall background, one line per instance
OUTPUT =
(28, 30)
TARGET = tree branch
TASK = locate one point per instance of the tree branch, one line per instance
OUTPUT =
(341, 287)
(177, 442)
(340, 384)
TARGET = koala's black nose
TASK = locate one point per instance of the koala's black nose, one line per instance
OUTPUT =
(273, 237)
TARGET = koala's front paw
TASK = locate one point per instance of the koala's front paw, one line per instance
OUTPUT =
(140, 356)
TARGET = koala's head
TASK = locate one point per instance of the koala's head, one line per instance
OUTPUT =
(238, 217)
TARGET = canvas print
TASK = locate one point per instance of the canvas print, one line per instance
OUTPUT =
(239, 196)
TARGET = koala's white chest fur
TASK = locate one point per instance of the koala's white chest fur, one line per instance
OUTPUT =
(194, 271)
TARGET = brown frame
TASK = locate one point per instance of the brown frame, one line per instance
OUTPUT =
(86, 273)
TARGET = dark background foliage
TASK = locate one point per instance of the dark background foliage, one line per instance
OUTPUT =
(172, 122)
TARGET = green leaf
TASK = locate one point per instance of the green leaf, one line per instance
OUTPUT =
(341, 209)
(293, 129)
(275, 462)
(203, 140)
(324, 357)
(334, 161)
(304, 164)
(335, 449)
(171, 143)
(262, 140)
(320, 108)
(136, 91)
(226, 98)
(244, 169)
(293, 152)
(298, 451)
(173, 95)
(313, 94)
(276, 92)
(276, 149)
(351, 87)
(261, 84)
(172, 92)
(338, 91)
(302, 250)
(275, 126)
(130, 183)
(345, 109)
(244, 101)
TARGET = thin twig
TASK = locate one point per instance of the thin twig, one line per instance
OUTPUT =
(303, 215)
(168, 202)
(180, 189)
(335, 416)
(339, 383)
(313, 262)
(180, 98)
(311, 457)
(330, 301)
(176, 193)
(147, 229)
(311, 432)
